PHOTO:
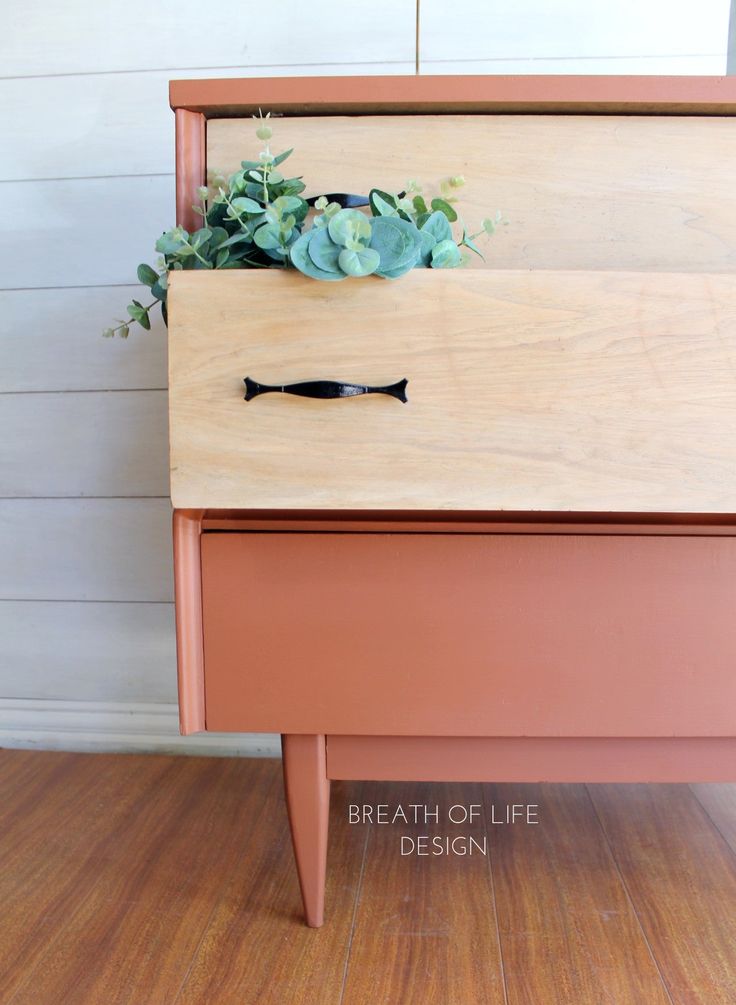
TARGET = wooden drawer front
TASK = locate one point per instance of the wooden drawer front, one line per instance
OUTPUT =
(470, 634)
(598, 392)
(636, 192)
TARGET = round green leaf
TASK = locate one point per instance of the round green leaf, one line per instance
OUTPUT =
(146, 275)
(349, 223)
(268, 236)
(323, 251)
(397, 242)
(300, 257)
(446, 255)
(246, 207)
(444, 207)
(438, 226)
(359, 263)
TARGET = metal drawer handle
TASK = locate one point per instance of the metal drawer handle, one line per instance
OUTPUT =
(325, 389)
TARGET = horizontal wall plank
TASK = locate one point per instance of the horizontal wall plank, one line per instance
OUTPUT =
(87, 652)
(98, 443)
(122, 727)
(51, 341)
(77, 37)
(705, 65)
(95, 231)
(524, 29)
(121, 125)
(86, 549)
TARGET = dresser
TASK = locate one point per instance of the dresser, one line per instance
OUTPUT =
(527, 570)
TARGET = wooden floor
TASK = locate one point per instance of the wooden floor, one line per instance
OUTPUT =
(160, 880)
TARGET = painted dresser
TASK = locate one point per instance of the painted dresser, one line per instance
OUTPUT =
(528, 570)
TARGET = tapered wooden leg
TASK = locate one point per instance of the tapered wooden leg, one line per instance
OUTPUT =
(308, 802)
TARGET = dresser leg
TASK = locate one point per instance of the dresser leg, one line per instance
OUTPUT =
(308, 802)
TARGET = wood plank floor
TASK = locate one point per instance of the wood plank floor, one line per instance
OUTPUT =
(169, 881)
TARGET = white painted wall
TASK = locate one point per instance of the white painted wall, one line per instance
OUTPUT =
(86, 166)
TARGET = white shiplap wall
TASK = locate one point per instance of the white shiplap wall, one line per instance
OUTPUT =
(86, 166)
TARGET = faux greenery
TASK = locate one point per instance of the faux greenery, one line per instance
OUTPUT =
(256, 220)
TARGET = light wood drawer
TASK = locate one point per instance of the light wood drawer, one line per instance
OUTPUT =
(546, 391)
(636, 192)
(463, 634)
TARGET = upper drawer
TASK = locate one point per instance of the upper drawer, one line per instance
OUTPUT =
(547, 391)
(652, 193)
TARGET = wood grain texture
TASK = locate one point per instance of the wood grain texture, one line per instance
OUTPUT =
(565, 920)
(599, 392)
(425, 929)
(52, 342)
(53, 844)
(46, 40)
(578, 192)
(161, 872)
(257, 946)
(681, 877)
(719, 802)
(105, 652)
(170, 880)
(635, 639)
(86, 549)
(107, 443)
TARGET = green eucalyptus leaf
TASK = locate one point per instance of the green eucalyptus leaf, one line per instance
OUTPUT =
(378, 201)
(359, 263)
(420, 205)
(158, 290)
(222, 256)
(268, 236)
(280, 158)
(467, 242)
(425, 254)
(323, 251)
(300, 257)
(146, 275)
(347, 224)
(443, 206)
(246, 207)
(438, 226)
(172, 241)
(397, 242)
(199, 237)
(446, 255)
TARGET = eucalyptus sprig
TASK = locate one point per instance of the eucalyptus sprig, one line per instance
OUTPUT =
(256, 219)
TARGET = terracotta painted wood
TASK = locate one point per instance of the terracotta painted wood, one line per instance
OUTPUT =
(541, 759)
(469, 635)
(565, 919)
(191, 170)
(188, 605)
(307, 790)
(664, 844)
(425, 927)
(427, 94)
(527, 391)
(578, 192)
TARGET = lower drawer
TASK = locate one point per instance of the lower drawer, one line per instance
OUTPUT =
(407, 634)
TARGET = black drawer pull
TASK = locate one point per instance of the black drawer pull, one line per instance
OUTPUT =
(324, 389)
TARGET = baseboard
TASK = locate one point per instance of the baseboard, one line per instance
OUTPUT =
(126, 727)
